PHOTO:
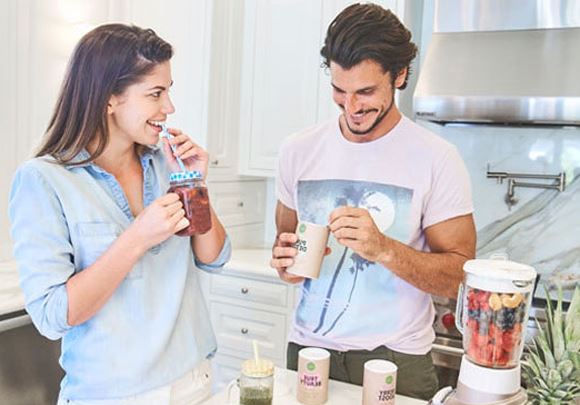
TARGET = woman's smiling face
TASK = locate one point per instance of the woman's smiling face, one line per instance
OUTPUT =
(136, 114)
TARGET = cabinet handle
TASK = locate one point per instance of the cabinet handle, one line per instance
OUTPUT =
(241, 204)
(244, 331)
(215, 162)
(244, 290)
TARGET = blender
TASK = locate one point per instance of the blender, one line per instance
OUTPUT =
(492, 312)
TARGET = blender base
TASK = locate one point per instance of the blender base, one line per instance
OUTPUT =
(466, 396)
(478, 385)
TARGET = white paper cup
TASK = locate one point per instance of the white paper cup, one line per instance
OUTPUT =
(313, 369)
(379, 382)
(311, 245)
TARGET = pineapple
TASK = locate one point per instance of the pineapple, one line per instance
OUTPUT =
(552, 367)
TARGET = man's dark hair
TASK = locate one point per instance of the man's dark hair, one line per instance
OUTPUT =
(368, 31)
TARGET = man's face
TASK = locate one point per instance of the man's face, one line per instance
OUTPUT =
(364, 93)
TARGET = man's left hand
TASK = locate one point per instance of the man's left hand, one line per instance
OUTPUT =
(356, 229)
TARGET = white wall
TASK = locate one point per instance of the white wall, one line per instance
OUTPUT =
(8, 116)
(38, 36)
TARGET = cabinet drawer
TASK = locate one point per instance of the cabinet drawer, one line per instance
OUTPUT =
(236, 327)
(249, 290)
(238, 203)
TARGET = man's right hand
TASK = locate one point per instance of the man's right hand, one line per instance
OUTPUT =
(283, 254)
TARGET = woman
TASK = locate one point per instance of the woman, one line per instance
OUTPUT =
(93, 229)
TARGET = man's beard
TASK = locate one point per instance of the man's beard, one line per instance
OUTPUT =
(375, 124)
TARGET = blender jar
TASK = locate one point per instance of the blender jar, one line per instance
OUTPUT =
(492, 311)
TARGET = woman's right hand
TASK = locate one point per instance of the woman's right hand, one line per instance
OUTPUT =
(161, 219)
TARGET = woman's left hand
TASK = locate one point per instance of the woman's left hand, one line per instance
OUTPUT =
(194, 157)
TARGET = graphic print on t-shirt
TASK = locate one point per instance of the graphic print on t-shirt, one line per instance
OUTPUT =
(352, 294)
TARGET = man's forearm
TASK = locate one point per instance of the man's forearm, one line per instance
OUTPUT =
(434, 273)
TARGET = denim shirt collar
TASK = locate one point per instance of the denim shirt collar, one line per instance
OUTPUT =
(145, 157)
(112, 186)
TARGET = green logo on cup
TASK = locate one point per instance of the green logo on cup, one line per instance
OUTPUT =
(311, 366)
(389, 379)
(302, 228)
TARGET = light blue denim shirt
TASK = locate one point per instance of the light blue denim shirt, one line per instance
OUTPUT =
(155, 327)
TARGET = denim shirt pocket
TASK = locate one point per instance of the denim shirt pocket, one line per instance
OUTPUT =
(95, 238)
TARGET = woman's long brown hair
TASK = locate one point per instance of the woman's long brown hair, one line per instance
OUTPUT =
(105, 62)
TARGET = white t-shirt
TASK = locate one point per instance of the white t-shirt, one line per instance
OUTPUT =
(409, 180)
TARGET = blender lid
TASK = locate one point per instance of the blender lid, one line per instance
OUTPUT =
(500, 269)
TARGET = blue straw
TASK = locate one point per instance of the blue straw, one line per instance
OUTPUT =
(165, 133)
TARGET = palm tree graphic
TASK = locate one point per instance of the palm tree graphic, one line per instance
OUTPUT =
(353, 196)
(359, 264)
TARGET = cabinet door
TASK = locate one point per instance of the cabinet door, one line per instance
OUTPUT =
(238, 203)
(224, 86)
(279, 77)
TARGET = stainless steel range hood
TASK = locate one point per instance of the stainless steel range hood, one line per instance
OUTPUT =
(502, 61)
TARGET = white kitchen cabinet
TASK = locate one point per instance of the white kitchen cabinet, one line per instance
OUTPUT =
(284, 88)
(237, 326)
(223, 110)
(238, 203)
(244, 290)
(279, 77)
(240, 207)
(247, 301)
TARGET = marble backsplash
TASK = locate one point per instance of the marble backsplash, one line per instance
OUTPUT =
(543, 228)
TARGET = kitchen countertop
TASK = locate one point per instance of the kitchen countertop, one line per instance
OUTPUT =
(339, 393)
(251, 262)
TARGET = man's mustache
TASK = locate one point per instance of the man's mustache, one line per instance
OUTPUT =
(359, 111)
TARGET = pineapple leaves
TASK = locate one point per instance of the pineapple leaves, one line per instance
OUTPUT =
(558, 341)
(552, 365)
(572, 330)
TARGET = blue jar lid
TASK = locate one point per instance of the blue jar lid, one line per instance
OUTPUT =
(182, 176)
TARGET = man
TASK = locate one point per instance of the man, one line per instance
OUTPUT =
(397, 200)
